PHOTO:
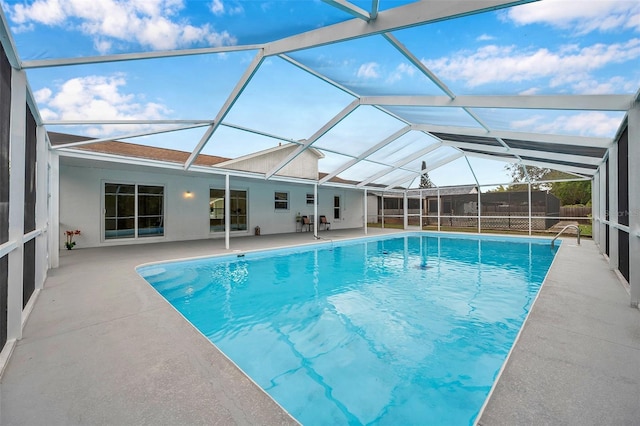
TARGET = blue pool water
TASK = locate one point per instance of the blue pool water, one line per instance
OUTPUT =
(409, 330)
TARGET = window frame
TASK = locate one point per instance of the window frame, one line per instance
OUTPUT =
(310, 199)
(237, 214)
(284, 201)
(136, 211)
(337, 209)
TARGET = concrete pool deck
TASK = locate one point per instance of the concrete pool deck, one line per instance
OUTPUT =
(102, 347)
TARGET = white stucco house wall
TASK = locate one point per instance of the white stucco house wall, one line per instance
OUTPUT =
(88, 173)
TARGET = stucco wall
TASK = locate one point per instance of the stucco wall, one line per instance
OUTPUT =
(81, 204)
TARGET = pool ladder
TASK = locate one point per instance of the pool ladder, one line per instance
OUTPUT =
(564, 229)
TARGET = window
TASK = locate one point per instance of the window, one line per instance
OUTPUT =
(336, 207)
(310, 199)
(150, 211)
(237, 211)
(133, 211)
(281, 201)
(392, 203)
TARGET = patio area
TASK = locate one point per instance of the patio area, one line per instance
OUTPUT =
(102, 347)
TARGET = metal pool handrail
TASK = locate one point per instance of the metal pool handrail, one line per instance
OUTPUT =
(564, 229)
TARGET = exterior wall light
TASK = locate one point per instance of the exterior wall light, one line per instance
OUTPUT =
(188, 194)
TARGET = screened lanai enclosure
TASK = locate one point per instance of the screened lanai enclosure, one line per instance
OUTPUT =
(314, 107)
(462, 207)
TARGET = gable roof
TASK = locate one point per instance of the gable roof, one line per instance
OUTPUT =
(170, 155)
(133, 150)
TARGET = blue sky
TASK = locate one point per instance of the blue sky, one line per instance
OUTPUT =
(547, 47)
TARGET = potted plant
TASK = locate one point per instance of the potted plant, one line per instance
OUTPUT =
(70, 243)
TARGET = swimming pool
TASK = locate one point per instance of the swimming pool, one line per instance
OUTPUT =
(397, 330)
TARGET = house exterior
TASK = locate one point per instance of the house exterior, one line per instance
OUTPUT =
(145, 200)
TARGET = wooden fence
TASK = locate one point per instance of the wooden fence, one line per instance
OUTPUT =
(570, 211)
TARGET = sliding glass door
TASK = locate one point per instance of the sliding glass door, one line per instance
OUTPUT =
(238, 210)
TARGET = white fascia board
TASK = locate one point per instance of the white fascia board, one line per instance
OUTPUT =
(62, 62)
(488, 149)
(228, 104)
(522, 136)
(410, 15)
(551, 102)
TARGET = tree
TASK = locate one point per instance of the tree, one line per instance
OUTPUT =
(519, 177)
(499, 188)
(425, 181)
(536, 174)
(570, 193)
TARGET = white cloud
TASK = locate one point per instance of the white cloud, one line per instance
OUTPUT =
(590, 123)
(369, 70)
(42, 95)
(217, 7)
(220, 7)
(579, 15)
(48, 12)
(569, 65)
(151, 23)
(401, 70)
(485, 37)
(97, 98)
(530, 91)
(594, 87)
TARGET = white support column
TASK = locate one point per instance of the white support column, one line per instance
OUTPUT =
(53, 229)
(613, 207)
(382, 210)
(315, 210)
(16, 203)
(479, 209)
(421, 201)
(439, 209)
(595, 207)
(365, 212)
(41, 207)
(227, 211)
(529, 193)
(405, 211)
(634, 203)
(603, 209)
